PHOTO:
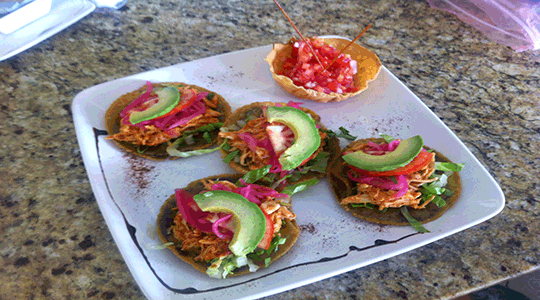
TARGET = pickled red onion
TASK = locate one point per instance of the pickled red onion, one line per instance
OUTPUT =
(196, 109)
(220, 187)
(402, 181)
(250, 140)
(402, 186)
(215, 228)
(187, 208)
(139, 100)
(381, 149)
(291, 104)
(256, 192)
(166, 123)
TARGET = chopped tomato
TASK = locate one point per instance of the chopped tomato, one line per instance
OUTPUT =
(268, 234)
(280, 136)
(305, 70)
(187, 97)
(419, 162)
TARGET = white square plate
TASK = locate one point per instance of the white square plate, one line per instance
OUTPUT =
(130, 190)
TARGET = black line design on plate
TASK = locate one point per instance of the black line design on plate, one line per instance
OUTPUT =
(190, 290)
(130, 228)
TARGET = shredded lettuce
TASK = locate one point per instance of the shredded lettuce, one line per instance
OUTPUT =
(254, 175)
(226, 146)
(366, 205)
(264, 255)
(438, 187)
(231, 156)
(439, 201)
(220, 268)
(141, 151)
(187, 136)
(428, 189)
(448, 166)
(207, 137)
(252, 266)
(388, 139)
(296, 188)
(172, 151)
(317, 164)
(214, 269)
(414, 223)
(158, 247)
(270, 177)
(277, 183)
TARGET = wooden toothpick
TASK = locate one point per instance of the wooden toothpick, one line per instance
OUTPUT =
(299, 33)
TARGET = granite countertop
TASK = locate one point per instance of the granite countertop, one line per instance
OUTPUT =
(55, 242)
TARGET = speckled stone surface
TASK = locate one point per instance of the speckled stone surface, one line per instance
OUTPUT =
(55, 244)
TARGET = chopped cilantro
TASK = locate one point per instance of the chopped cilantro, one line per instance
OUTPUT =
(344, 134)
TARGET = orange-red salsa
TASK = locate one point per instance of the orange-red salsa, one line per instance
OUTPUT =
(304, 69)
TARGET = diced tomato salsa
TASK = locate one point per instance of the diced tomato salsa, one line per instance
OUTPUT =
(304, 69)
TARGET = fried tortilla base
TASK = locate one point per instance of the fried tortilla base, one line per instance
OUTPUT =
(369, 67)
(112, 121)
(256, 109)
(343, 187)
(289, 230)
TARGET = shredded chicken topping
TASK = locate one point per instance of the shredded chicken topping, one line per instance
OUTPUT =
(261, 157)
(150, 135)
(208, 245)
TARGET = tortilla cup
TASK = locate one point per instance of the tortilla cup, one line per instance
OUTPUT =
(256, 109)
(369, 66)
(289, 229)
(343, 187)
(159, 152)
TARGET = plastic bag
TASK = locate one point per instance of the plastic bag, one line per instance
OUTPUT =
(515, 23)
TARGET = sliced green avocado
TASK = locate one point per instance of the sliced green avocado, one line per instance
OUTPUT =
(249, 218)
(169, 97)
(404, 153)
(307, 138)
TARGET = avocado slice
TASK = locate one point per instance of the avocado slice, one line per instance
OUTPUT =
(249, 218)
(169, 97)
(307, 138)
(404, 153)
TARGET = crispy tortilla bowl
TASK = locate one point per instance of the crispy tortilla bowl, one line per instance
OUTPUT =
(343, 187)
(159, 152)
(256, 109)
(369, 66)
(168, 211)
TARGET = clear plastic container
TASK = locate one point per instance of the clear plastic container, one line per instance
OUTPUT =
(515, 23)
